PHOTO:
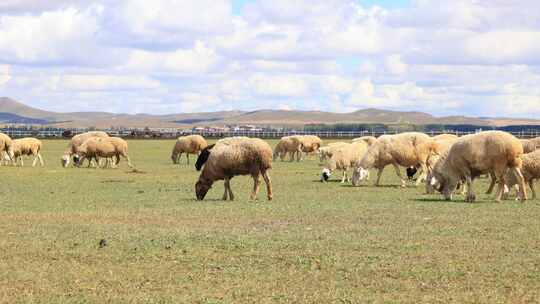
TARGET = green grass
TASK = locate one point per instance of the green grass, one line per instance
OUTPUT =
(314, 243)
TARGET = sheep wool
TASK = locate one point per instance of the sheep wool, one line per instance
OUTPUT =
(234, 156)
(485, 152)
(191, 144)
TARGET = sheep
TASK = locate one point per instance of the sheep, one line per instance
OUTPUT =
(6, 147)
(310, 143)
(74, 144)
(343, 158)
(27, 146)
(405, 149)
(327, 151)
(231, 157)
(445, 136)
(481, 153)
(288, 145)
(96, 147)
(530, 145)
(530, 170)
(370, 140)
(191, 144)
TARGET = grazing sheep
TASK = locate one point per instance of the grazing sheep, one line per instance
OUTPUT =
(370, 140)
(77, 141)
(96, 147)
(231, 157)
(310, 143)
(530, 170)
(191, 144)
(288, 145)
(6, 147)
(345, 157)
(27, 146)
(530, 145)
(443, 143)
(327, 151)
(481, 153)
(405, 149)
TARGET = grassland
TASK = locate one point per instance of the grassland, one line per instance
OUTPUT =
(314, 243)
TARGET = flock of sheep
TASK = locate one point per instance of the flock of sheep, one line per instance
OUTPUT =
(445, 162)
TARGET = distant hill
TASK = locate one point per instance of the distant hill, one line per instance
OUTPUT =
(12, 111)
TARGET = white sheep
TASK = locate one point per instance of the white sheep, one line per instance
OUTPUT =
(405, 149)
(106, 147)
(343, 158)
(191, 144)
(234, 156)
(27, 147)
(77, 141)
(481, 153)
(6, 149)
(291, 145)
(530, 170)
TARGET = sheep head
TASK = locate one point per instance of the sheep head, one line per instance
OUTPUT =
(174, 157)
(325, 175)
(201, 188)
(359, 174)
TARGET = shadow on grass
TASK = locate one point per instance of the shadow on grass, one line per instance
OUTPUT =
(442, 200)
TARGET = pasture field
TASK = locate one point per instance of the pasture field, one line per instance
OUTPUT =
(314, 243)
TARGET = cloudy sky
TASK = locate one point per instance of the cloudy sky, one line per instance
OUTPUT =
(473, 57)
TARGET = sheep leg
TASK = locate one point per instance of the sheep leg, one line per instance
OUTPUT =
(521, 183)
(422, 176)
(379, 174)
(531, 185)
(492, 183)
(231, 195)
(22, 162)
(226, 186)
(41, 163)
(128, 160)
(35, 161)
(398, 172)
(187, 157)
(256, 185)
(268, 185)
(471, 197)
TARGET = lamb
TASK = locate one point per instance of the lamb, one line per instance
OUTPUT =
(481, 153)
(191, 144)
(530, 170)
(96, 147)
(288, 145)
(343, 158)
(231, 157)
(27, 146)
(77, 141)
(405, 149)
(6, 146)
(370, 140)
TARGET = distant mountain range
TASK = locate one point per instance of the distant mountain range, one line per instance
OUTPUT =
(14, 112)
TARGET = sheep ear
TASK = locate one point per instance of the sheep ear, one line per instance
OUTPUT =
(203, 157)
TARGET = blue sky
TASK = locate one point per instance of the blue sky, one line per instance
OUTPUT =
(463, 57)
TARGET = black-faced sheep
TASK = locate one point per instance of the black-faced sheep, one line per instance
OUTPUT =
(191, 144)
(231, 157)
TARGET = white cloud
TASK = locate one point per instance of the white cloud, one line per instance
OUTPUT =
(4, 74)
(279, 86)
(394, 65)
